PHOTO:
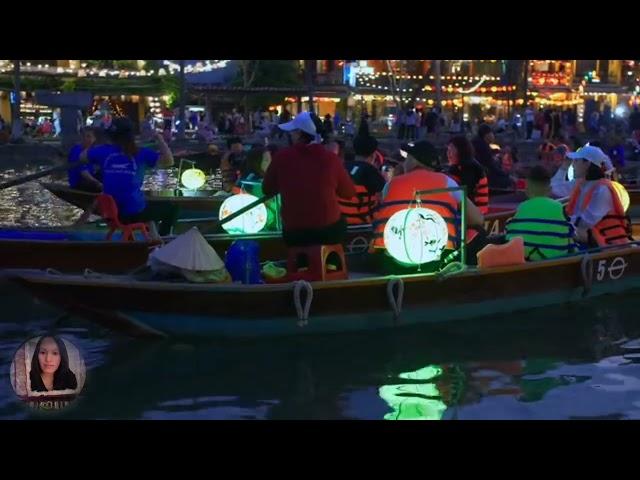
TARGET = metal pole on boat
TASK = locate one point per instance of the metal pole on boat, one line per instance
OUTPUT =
(183, 99)
(463, 222)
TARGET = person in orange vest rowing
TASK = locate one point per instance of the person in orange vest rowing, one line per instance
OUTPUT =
(465, 170)
(368, 181)
(399, 194)
(594, 206)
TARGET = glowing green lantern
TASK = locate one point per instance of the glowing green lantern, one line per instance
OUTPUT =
(193, 178)
(415, 236)
(249, 222)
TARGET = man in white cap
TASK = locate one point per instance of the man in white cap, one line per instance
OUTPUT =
(594, 207)
(310, 179)
(564, 180)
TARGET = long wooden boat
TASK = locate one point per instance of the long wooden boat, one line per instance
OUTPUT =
(360, 303)
(74, 249)
(200, 203)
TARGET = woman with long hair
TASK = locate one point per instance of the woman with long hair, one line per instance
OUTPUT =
(465, 170)
(50, 366)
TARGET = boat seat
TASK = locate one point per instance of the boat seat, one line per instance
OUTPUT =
(108, 210)
(317, 263)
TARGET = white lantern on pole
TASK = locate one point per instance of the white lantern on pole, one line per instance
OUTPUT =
(249, 222)
(414, 236)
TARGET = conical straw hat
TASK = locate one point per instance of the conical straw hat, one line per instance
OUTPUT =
(189, 251)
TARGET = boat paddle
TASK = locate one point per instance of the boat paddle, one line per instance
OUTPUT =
(238, 213)
(43, 173)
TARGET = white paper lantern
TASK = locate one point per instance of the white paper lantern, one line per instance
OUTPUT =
(415, 236)
(249, 222)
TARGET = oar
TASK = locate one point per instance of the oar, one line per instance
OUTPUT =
(235, 215)
(43, 173)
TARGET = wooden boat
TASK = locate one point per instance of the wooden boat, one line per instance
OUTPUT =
(74, 249)
(360, 303)
(191, 203)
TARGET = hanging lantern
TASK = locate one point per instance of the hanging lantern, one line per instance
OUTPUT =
(249, 222)
(415, 236)
(623, 195)
(193, 178)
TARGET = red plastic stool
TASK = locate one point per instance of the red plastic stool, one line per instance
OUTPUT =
(316, 257)
(108, 210)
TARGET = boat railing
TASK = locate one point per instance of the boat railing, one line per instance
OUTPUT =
(463, 222)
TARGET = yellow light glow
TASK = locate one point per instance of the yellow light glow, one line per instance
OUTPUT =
(623, 195)
(193, 178)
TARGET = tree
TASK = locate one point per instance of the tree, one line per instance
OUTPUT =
(266, 73)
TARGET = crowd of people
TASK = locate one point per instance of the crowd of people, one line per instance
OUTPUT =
(326, 184)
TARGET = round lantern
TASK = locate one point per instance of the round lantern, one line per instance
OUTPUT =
(415, 236)
(623, 195)
(249, 222)
(193, 178)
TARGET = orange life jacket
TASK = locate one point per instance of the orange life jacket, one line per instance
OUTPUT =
(401, 195)
(358, 210)
(614, 228)
(480, 194)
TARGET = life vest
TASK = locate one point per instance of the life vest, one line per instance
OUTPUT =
(544, 227)
(358, 210)
(479, 194)
(401, 195)
(615, 227)
(510, 253)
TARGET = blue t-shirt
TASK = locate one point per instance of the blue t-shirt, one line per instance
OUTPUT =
(74, 173)
(122, 175)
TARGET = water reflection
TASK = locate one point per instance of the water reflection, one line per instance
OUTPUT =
(31, 205)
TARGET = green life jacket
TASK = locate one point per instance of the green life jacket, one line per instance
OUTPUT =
(544, 227)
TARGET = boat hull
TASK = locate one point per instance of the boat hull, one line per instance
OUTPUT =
(236, 311)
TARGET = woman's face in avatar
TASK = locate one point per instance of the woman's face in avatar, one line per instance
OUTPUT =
(49, 356)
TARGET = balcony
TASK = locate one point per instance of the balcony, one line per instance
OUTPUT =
(329, 78)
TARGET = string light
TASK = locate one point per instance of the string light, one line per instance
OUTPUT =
(200, 67)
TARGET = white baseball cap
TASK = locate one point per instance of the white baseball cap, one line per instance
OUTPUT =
(302, 121)
(593, 154)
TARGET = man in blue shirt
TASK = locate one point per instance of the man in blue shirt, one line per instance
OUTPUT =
(123, 166)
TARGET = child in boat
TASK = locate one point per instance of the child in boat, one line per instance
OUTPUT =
(367, 179)
(84, 177)
(252, 173)
(231, 163)
(541, 221)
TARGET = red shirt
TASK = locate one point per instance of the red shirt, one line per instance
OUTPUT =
(310, 179)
